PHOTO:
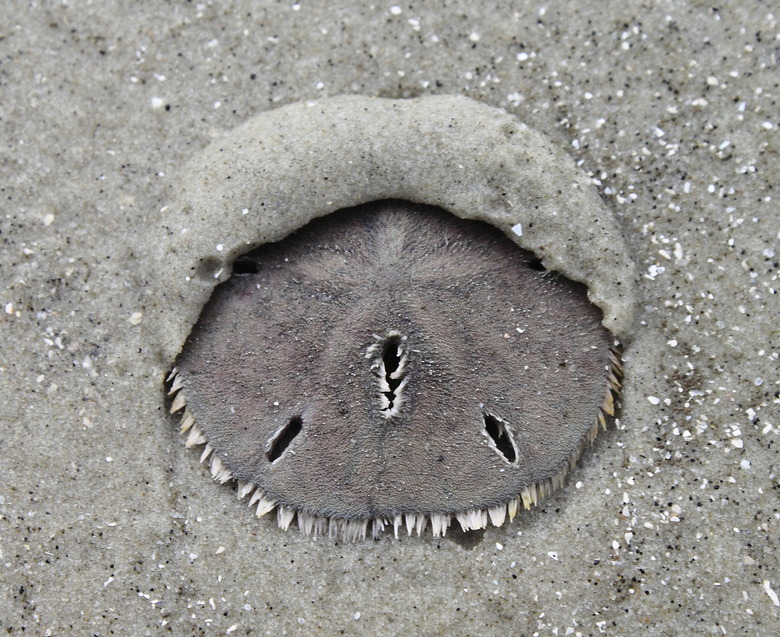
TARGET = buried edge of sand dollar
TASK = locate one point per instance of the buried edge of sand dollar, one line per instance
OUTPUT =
(391, 312)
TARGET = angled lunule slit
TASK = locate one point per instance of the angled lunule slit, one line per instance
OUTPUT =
(283, 437)
(500, 437)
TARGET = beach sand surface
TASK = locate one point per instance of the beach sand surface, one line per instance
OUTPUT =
(108, 525)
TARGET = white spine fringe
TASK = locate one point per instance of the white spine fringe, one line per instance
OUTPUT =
(351, 530)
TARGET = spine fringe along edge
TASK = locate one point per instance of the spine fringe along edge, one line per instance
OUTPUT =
(358, 529)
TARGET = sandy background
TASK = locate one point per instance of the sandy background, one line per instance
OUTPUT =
(109, 526)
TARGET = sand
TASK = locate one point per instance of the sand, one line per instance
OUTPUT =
(108, 525)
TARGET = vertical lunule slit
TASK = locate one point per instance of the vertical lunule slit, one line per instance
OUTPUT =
(389, 367)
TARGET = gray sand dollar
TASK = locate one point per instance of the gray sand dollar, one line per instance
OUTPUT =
(392, 364)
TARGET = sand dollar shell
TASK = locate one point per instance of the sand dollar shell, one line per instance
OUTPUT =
(392, 364)
(395, 363)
